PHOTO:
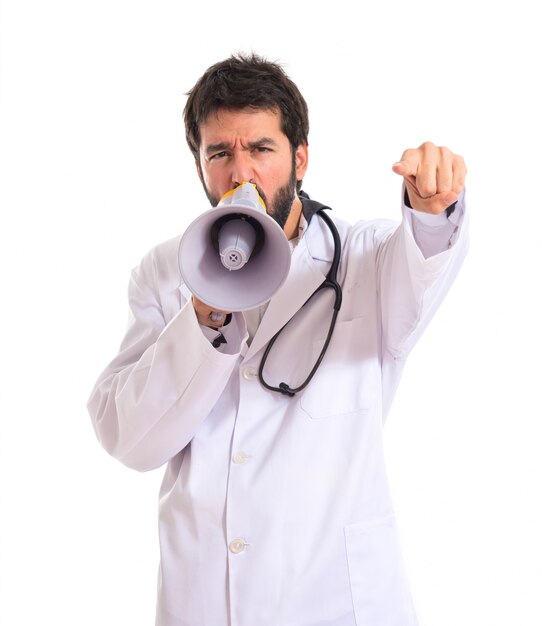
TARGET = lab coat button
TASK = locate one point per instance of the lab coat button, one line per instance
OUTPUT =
(240, 457)
(237, 546)
(249, 373)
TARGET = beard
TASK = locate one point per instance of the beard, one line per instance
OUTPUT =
(280, 206)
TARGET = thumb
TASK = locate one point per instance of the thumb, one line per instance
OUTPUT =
(435, 204)
(402, 168)
(448, 199)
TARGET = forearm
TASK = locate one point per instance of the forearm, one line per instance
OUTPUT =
(148, 404)
(435, 233)
(412, 280)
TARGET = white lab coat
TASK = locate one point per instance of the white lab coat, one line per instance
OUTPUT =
(275, 511)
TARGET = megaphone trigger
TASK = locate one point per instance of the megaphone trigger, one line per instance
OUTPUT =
(217, 316)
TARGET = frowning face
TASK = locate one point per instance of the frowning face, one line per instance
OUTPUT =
(249, 145)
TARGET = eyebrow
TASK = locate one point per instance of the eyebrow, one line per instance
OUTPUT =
(262, 142)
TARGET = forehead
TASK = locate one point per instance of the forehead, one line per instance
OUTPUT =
(249, 123)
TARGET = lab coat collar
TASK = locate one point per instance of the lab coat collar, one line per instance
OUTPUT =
(311, 260)
(318, 238)
(310, 207)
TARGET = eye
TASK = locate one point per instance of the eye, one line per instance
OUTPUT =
(262, 149)
(218, 155)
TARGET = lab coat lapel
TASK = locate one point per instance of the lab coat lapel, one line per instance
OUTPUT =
(310, 263)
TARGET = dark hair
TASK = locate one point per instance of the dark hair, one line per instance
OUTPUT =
(246, 81)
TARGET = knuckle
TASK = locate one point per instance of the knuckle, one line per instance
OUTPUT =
(426, 189)
(427, 146)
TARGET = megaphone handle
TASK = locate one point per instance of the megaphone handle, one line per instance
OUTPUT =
(217, 316)
(208, 316)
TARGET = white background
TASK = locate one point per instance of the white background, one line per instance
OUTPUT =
(95, 171)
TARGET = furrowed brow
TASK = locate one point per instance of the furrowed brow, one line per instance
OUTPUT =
(217, 147)
(263, 142)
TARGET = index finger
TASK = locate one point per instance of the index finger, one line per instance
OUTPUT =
(408, 164)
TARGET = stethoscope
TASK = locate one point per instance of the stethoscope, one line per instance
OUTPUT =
(330, 282)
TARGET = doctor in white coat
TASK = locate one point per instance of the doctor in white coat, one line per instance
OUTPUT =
(275, 509)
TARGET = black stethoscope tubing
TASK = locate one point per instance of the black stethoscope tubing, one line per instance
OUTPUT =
(330, 282)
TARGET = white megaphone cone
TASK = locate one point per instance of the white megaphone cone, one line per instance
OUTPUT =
(235, 257)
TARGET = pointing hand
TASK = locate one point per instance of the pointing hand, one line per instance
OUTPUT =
(434, 177)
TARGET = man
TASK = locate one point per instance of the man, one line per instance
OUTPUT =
(274, 509)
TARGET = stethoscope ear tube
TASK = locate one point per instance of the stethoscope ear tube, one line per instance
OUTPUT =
(330, 282)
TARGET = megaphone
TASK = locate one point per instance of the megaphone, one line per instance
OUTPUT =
(235, 257)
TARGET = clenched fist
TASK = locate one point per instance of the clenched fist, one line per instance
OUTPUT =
(208, 316)
(434, 177)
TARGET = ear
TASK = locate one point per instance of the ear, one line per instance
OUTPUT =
(301, 160)
(198, 168)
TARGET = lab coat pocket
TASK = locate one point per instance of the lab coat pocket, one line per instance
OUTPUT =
(379, 588)
(344, 382)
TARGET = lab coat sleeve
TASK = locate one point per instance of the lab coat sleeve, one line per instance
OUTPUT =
(433, 233)
(413, 278)
(150, 400)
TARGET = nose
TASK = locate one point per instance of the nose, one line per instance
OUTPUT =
(242, 170)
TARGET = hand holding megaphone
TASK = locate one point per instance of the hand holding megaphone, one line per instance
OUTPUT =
(234, 257)
(208, 316)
